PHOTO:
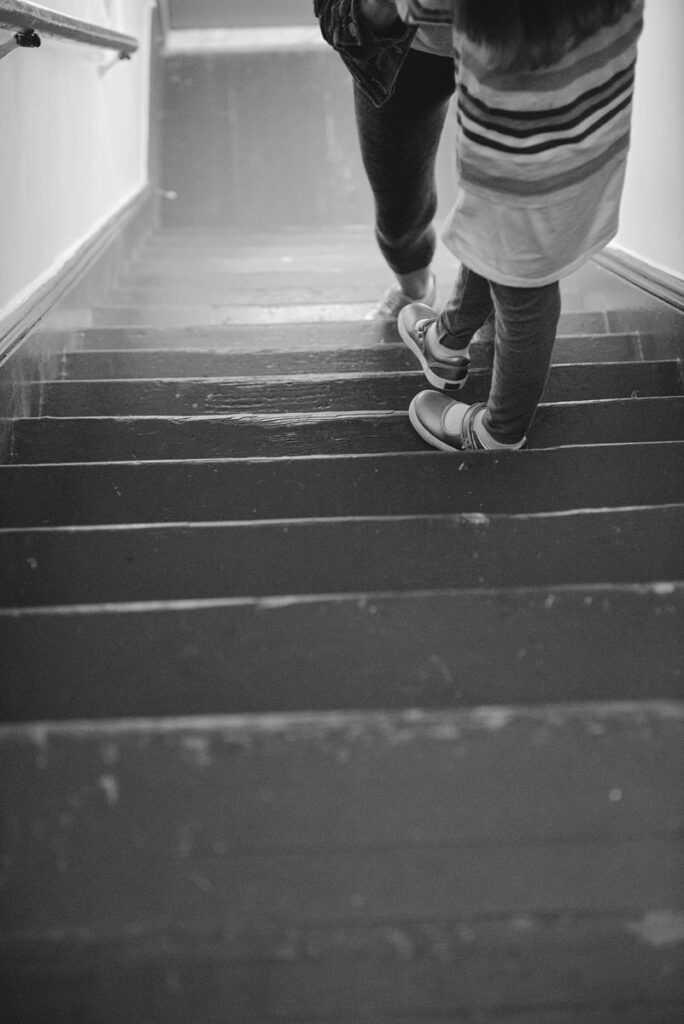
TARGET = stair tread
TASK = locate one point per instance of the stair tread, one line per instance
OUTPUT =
(525, 646)
(419, 482)
(318, 392)
(203, 362)
(232, 313)
(269, 337)
(57, 566)
(99, 438)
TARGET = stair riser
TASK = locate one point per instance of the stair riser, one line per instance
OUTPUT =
(413, 484)
(315, 841)
(385, 358)
(429, 650)
(94, 439)
(320, 394)
(83, 566)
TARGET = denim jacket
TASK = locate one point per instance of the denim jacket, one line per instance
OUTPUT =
(374, 61)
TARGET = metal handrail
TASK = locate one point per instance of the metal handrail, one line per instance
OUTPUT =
(32, 21)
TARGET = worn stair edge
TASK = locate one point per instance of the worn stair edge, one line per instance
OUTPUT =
(320, 392)
(141, 363)
(84, 565)
(251, 435)
(417, 483)
(438, 649)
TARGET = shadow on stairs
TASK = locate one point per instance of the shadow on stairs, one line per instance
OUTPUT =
(305, 722)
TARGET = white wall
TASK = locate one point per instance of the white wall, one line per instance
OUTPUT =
(652, 220)
(73, 143)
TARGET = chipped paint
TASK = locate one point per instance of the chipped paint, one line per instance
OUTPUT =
(494, 718)
(660, 928)
(664, 589)
(110, 787)
(476, 518)
(199, 749)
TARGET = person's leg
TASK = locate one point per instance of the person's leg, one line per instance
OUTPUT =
(440, 342)
(399, 144)
(526, 324)
(468, 308)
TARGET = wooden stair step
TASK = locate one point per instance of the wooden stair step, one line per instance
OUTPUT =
(366, 966)
(367, 289)
(542, 874)
(284, 256)
(419, 483)
(85, 565)
(232, 312)
(318, 392)
(585, 329)
(252, 435)
(144, 363)
(210, 285)
(352, 284)
(427, 649)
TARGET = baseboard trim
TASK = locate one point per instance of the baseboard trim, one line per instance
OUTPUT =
(30, 340)
(88, 269)
(651, 279)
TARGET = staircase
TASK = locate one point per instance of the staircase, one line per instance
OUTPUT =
(308, 723)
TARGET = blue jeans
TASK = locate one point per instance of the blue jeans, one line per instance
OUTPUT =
(399, 142)
(526, 321)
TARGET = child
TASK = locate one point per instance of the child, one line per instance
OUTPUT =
(544, 95)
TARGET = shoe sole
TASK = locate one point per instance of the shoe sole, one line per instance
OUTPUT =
(425, 433)
(441, 383)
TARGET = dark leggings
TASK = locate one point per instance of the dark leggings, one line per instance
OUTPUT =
(526, 322)
(399, 144)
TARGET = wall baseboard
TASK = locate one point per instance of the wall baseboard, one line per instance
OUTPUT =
(29, 340)
(87, 272)
(653, 280)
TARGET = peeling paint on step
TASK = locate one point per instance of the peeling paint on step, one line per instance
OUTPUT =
(660, 928)
(110, 787)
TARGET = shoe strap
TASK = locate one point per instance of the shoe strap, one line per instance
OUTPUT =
(470, 440)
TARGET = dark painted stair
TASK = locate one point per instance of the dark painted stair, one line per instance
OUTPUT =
(308, 723)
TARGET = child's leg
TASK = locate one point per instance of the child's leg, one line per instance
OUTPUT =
(469, 306)
(526, 323)
(399, 144)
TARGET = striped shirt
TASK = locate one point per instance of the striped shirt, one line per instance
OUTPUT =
(540, 157)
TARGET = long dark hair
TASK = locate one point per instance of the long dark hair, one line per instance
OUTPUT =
(529, 34)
